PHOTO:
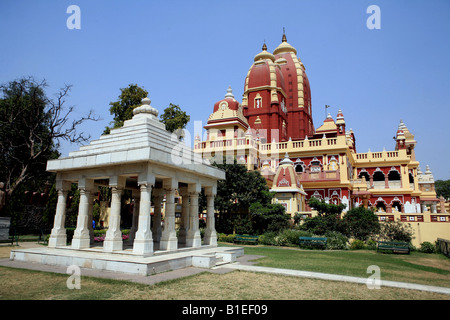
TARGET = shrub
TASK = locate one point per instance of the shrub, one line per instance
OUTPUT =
(357, 245)
(268, 238)
(396, 231)
(291, 236)
(371, 244)
(336, 240)
(222, 237)
(427, 247)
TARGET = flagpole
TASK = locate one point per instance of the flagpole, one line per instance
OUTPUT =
(326, 107)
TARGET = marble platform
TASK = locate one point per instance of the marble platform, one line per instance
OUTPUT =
(127, 262)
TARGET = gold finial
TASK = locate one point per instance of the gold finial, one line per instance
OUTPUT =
(264, 47)
(284, 36)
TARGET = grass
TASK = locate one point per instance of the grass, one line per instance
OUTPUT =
(17, 284)
(429, 269)
(20, 284)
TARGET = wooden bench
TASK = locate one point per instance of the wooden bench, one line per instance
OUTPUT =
(245, 238)
(312, 242)
(393, 246)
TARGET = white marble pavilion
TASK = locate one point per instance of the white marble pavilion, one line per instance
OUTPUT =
(144, 157)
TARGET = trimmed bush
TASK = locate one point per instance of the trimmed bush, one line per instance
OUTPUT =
(427, 247)
(290, 236)
(222, 237)
(357, 245)
(371, 244)
(268, 238)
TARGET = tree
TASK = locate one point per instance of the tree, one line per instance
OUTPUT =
(122, 109)
(268, 218)
(174, 118)
(328, 218)
(31, 129)
(360, 223)
(237, 193)
(240, 189)
(442, 188)
(324, 208)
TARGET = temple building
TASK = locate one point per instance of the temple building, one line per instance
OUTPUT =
(272, 130)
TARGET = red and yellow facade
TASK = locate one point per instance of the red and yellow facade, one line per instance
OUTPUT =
(272, 130)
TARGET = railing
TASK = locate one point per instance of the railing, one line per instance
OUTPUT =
(377, 155)
(444, 246)
(322, 175)
(273, 146)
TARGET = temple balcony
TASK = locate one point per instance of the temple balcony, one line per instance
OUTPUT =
(383, 156)
(319, 176)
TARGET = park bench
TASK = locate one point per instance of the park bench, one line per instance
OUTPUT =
(245, 238)
(313, 242)
(393, 246)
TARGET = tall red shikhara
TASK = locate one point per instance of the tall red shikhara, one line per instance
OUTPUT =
(277, 95)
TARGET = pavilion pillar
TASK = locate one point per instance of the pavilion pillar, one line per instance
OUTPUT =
(184, 225)
(193, 238)
(169, 239)
(58, 237)
(210, 237)
(158, 195)
(143, 242)
(113, 238)
(82, 235)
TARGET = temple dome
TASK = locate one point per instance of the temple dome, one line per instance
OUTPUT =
(284, 47)
(228, 101)
(264, 54)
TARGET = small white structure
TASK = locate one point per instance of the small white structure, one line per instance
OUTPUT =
(144, 157)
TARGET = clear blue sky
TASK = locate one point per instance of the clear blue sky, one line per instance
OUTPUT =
(189, 52)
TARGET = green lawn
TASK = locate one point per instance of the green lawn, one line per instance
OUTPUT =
(430, 269)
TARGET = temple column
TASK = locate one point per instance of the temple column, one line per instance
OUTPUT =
(193, 237)
(143, 242)
(82, 235)
(58, 237)
(135, 219)
(184, 225)
(158, 196)
(169, 239)
(388, 208)
(434, 207)
(423, 207)
(113, 238)
(210, 237)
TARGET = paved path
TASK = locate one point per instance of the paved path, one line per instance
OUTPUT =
(335, 277)
(243, 263)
